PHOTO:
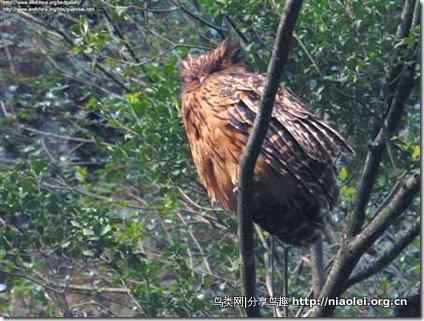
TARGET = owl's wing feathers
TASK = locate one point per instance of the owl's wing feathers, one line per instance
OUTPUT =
(286, 156)
(297, 141)
(318, 140)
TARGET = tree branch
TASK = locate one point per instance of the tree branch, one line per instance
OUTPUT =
(286, 280)
(388, 256)
(317, 263)
(219, 30)
(417, 14)
(375, 154)
(399, 201)
(240, 34)
(121, 36)
(350, 252)
(406, 19)
(70, 43)
(399, 81)
(251, 153)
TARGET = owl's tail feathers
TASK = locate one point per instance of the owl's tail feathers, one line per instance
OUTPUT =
(299, 226)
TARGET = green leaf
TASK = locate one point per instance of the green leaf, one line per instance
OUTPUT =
(348, 192)
(343, 174)
(87, 232)
(88, 253)
(65, 244)
(106, 230)
(81, 173)
(416, 153)
(75, 223)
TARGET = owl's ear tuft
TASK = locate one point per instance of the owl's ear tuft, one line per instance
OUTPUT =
(227, 53)
(230, 50)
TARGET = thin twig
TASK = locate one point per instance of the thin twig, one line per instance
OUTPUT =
(3, 108)
(133, 299)
(220, 31)
(269, 278)
(351, 251)
(43, 133)
(197, 243)
(237, 30)
(10, 60)
(120, 34)
(193, 203)
(46, 149)
(302, 307)
(80, 80)
(399, 84)
(317, 263)
(388, 256)
(60, 287)
(26, 276)
(308, 54)
(70, 42)
(286, 279)
(399, 201)
(375, 154)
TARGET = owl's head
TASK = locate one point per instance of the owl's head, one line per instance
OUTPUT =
(227, 54)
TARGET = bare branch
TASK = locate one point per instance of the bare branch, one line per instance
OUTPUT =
(74, 77)
(399, 84)
(43, 133)
(27, 277)
(269, 277)
(120, 34)
(286, 279)
(350, 252)
(417, 14)
(388, 256)
(375, 155)
(60, 287)
(406, 19)
(220, 31)
(399, 201)
(197, 243)
(251, 153)
(233, 25)
(308, 54)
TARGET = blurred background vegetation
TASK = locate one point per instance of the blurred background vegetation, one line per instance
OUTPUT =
(101, 211)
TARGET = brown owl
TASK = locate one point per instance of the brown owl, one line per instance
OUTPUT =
(295, 176)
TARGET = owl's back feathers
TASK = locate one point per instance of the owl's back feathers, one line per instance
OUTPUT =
(295, 173)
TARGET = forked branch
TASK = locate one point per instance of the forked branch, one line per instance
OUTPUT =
(398, 85)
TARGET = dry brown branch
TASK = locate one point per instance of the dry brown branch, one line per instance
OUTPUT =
(388, 256)
(351, 251)
(197, 243)
(44, 133)
(251, 153)
(399, 201)
(400, 81)
(317, 264)
(60, 287)
(203, 21)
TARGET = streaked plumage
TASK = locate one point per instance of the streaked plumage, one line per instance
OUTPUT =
(295, 173)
